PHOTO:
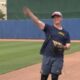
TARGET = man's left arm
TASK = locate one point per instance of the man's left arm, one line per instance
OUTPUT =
(68, 42)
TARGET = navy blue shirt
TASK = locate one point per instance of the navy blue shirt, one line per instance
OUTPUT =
(51, 34)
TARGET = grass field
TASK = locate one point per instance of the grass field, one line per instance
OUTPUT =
(16, 55)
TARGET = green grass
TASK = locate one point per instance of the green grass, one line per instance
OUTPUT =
(74, 48)
(16, 55)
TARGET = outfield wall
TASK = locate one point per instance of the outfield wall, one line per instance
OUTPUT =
(26, 29)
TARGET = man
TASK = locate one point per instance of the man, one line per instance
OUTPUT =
(57, 40)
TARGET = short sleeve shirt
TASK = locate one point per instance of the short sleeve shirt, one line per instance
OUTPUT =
(53, 33)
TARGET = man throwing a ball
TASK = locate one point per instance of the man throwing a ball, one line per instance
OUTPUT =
(57, 40)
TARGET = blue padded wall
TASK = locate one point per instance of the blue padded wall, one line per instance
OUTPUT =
(22, 29)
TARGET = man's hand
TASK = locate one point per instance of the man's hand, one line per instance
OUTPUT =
(35, 19)
(67, 46)
(27, 11)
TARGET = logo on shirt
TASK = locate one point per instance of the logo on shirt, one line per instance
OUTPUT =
(61, 33)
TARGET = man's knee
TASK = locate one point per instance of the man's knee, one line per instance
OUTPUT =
(44, 77)
(55, 76)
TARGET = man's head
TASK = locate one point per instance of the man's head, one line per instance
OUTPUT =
(57, 17)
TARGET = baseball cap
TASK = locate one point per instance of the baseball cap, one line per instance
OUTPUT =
(56, 13)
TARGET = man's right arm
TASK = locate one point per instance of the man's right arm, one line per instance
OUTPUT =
(35, 19)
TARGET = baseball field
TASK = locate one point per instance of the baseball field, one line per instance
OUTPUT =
(15, 55)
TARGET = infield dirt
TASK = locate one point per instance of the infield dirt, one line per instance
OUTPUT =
(71, 70)
(32, 40)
